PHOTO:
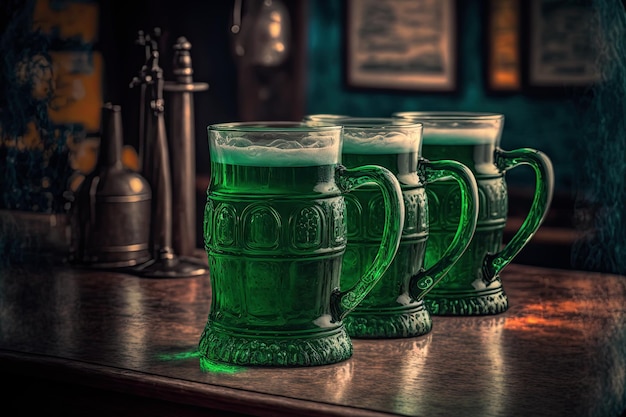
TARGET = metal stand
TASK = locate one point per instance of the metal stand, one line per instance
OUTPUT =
(182, 147)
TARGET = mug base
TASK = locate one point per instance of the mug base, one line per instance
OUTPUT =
(467, 303)
(275, 349)
(387, 324)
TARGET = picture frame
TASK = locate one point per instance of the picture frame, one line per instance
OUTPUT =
(401, 45)
(502, 40)
(557, 56)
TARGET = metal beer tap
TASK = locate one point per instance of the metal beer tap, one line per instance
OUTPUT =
(156, 169)
(149, 43)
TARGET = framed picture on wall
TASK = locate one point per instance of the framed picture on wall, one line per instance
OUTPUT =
(503, 56)
(562, 44)
(401, 45)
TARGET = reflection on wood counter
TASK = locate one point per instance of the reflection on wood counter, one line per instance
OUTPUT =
(100, 343)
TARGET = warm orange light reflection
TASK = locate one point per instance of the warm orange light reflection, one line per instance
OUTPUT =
(504, 32)
(532, 323)
(275, 28)
(555, 317)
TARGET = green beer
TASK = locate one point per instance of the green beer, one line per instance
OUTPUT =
(275, 234)
(395, 307)
(473, 285)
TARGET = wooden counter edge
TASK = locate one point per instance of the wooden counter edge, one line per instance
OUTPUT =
(147, 387)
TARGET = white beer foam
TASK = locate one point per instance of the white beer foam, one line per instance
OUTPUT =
(457, 136)
(278, 153)
(364, 142)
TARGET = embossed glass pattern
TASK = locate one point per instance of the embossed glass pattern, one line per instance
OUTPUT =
(395, 308)
(275, 234)
(473, 286)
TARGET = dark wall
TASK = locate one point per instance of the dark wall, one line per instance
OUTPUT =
(547, 122)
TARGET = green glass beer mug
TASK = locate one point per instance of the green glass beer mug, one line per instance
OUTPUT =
(275, 234)
(473, 285)
(395, 308)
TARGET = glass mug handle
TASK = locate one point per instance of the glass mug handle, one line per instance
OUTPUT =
(343, 302)
(544, 188)
(433, 171)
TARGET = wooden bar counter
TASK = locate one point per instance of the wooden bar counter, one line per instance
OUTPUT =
(92, 343)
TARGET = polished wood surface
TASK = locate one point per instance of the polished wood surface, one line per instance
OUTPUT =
(116, 344)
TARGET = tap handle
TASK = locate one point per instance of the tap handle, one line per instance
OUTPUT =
(182, 68)
(155, 74)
